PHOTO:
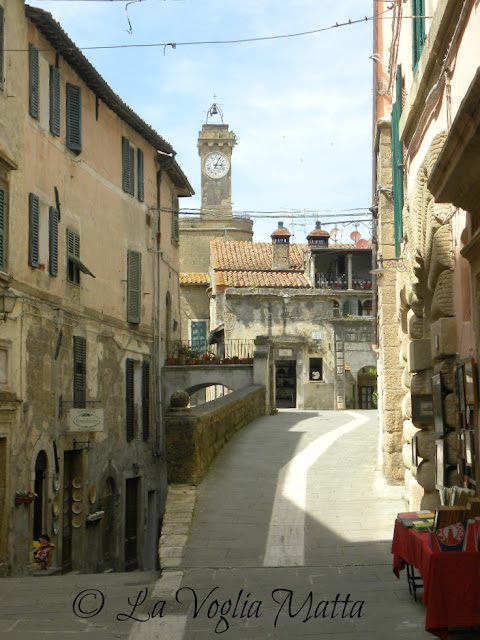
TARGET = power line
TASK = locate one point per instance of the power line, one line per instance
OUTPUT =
(174, 45)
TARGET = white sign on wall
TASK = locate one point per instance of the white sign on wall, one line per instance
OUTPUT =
(85, 420)
(316, 335)
(285, 353)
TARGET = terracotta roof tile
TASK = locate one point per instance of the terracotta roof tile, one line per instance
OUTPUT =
(261, 279)
(194, 278)
(251, 255)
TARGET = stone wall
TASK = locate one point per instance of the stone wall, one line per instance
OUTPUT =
(195, 436)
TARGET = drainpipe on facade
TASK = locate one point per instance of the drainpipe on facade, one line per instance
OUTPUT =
(157, 332)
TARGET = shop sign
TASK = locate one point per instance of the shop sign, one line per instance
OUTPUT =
(85, 420)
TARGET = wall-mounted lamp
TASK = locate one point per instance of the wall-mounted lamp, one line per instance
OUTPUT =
(7, 302)
(136, 468)
(377, 58)
(386, 264)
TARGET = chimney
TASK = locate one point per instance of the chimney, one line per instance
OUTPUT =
(281, 248)
(318, 237)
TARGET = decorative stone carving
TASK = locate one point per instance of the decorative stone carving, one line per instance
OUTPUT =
(442, 303)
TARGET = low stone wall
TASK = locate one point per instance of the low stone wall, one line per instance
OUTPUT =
(195, 436)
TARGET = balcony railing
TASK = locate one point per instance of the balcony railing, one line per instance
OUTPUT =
(329, 281)
(229, 352)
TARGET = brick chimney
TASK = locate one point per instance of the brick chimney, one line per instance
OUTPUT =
(281, 248)
(318, 237)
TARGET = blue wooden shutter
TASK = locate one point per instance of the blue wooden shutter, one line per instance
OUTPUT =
(397, 164)
(140, 190)
(125, 164)
(53, 241)
(54, 100)
(418, 30)
(146, 400)
(3, 222)
(198, 335)
(130, 399)
(33, 207)
(1, 45)
(33, 97)
(79, 372)
(74, 117)
(134, 272)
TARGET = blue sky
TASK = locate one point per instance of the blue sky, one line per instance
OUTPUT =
(300, 106)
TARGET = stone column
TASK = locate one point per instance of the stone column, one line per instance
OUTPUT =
(349, 271)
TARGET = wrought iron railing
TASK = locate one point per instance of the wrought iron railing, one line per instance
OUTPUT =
(228, 352)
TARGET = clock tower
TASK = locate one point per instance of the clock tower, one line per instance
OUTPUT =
(215, 146)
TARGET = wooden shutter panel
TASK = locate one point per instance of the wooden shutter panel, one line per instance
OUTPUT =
(3, 216)
(175, 227)
(397, 164)
(2, 40)
(129, 398)
(125, 164)
(53, 241)
(79, 371)
(33, 206)
(134, 268)
(198, 331)
(54, 100)
(74, 117)
(33, 99)
(146, 400)
(418, 30)
(140, 191)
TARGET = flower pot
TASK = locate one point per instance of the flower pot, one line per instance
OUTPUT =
(23, 500)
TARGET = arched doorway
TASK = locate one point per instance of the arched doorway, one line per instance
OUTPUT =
(40, 488)
(367, 387)
(107, 504)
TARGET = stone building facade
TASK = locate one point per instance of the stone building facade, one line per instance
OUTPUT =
(94, 266)
(426, 118)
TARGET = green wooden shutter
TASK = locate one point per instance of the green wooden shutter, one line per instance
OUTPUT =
(2, 40)
(33, 98)
(79, 372)
(198, 335)
(130, 398)
(140, 191)
(134, 272)
(53, 241)
(175, 224)
(125, 164)
(3, 222)
(418, 30)
(74, 117)
(33, 207)
(146, 400)
(54, 100)
(397, 163)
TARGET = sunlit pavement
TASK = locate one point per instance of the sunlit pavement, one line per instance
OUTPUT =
(290, 539)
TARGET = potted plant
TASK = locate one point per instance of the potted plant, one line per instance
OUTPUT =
(25, 496)
(206, 357)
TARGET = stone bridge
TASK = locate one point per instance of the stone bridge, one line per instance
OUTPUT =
(192, 378)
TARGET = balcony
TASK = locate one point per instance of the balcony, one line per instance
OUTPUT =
(223, 353)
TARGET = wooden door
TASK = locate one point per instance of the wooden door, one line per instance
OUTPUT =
(131, 524)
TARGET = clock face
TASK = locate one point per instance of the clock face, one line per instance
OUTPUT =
(216, 165)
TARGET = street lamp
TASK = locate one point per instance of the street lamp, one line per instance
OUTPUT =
(7, 302)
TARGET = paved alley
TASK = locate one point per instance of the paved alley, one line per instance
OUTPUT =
(290, 539)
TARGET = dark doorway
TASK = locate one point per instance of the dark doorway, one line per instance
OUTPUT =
(285, 384)
(365, 397)
(107, 504)
(67, 511)
(150, 551)
(131, 524)
(39, 525)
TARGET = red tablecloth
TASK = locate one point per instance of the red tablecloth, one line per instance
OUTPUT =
(451, 580)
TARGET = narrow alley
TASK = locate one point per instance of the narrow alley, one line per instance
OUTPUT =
(290, 538)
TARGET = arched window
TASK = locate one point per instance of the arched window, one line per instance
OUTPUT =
(367, 307)
(336, 308)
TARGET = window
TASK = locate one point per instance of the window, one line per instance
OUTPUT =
(1, 45)
(132, 165)
(34, 82)
(74, 118)
(146, 400)
(33, 224)
(3, 225)
(54, 100)
(79, 372)
(336, 309)
(198, 335)
(418, 31)
(137, 392)
(74, 265)
(134, 281)
(315, 370)
(130, 398)
(175, 223)
(73, 256)
(397, 164)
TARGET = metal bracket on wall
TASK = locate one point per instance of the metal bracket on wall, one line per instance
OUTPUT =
(61, 402)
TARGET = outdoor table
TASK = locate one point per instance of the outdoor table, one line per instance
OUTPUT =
(451, 580)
